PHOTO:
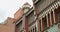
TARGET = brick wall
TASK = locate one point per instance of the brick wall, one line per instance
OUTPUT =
(9, 26)
(18, 14)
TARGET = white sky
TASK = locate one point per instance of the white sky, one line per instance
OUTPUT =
(9, 7)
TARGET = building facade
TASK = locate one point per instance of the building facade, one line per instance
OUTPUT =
(27, 22)
(43, 17)
(8, 25)
(48, 15)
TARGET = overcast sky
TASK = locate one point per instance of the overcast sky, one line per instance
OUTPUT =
(9, 7)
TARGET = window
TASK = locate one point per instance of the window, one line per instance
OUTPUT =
(52, 18)
(40, 24)
(19, 26)
(49, 19)
(57, 14)
(31, 17)
(44, 23)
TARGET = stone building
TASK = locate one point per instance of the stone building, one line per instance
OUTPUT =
(27, 22)
(48, 15)
(43, 17)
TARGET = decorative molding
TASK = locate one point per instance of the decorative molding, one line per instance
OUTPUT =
(51, 8)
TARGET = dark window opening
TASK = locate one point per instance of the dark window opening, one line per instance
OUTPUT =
(52, 18)
(33, 29)
(31, 17)
(49, 19)
(44, 23)
(40, 24)
(57, 14)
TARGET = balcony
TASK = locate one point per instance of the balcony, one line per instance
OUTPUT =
(54, 28)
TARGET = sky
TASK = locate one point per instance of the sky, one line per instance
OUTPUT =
(9, 7)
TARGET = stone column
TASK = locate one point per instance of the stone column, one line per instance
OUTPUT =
(47, 20)
(41, 25)
(37, 25)
(50, 18)
(54, 16)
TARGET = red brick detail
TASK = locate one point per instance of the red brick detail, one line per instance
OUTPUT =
(26, 24)
(18, 14)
